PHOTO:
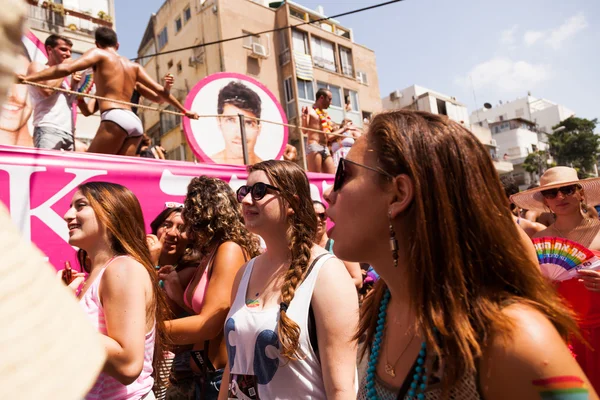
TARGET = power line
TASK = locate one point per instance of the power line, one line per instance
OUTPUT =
(270, 30)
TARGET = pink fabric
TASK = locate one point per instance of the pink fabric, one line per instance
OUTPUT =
(199, 292)
(106, 387)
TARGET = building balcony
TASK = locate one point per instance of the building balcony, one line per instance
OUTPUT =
(63, 20)
(503, 167)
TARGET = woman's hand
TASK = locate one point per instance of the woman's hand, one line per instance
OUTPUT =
(173, 287)
(76, 280)
(590, 279)
(155, 246)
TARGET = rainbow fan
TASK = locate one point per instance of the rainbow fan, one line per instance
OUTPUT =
(87, 81)
(560, 259)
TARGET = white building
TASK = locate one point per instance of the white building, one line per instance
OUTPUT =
(544, 113)
(419, 98)
(77, 20)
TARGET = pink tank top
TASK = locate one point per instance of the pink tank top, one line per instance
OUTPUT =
(106, 387)
(200, 289)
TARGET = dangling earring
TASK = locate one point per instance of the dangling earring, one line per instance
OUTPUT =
(584, 207)
(393, 241)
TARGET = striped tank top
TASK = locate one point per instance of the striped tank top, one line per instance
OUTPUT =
(107, 387)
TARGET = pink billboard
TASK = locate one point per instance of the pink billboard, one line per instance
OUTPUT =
(37, 187)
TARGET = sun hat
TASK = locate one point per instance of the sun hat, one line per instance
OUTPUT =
(553, 178)
(50, 350)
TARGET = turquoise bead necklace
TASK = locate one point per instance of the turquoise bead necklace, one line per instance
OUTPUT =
(419, 382)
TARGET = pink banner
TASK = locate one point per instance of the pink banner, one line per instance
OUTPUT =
(37, 187)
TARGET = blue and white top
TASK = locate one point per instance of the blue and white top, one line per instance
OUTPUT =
(253, 346)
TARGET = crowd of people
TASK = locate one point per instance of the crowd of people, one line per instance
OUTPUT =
(199, 309)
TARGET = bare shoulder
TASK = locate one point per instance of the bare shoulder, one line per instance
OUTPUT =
(532, 352)
(125, 267)
(35, 67)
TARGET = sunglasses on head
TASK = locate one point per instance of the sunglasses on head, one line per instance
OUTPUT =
(257, 191)
(173, 204)
(340, 174)
(565, 190)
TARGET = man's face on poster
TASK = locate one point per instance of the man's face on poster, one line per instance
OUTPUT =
(229, 123)
(17, 109)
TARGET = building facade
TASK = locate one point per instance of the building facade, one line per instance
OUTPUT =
(293, 63)
(77, 20)
(543, 113)
(419, 98)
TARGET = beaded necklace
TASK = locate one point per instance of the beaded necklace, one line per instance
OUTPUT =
(325, 120)
(419, 382)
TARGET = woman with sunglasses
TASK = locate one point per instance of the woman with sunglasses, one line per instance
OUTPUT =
(221, 243)
(324, 241)
(460, 310)
(294, 307)
(571, 201)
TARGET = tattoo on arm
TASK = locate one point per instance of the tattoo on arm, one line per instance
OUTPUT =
(561, 388)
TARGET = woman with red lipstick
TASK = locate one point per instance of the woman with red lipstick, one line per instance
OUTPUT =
(221, 244)
(294, 307)
(460, 311)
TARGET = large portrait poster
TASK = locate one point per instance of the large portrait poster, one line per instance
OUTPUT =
(16, 114)
(216, 136)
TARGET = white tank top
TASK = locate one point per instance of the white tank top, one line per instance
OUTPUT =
(53, 111)
(253, 346)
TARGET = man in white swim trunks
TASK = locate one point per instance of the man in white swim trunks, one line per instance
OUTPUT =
(120, 131)
(318, 156)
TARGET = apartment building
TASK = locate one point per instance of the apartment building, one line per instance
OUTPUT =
(419, 98)
(293, 63)
(77, 20)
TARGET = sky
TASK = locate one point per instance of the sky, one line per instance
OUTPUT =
(477, 51)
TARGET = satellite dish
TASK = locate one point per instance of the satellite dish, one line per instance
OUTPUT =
(487, 105)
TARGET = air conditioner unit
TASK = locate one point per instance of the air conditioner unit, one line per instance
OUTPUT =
(195, 60)
(258, 51)
(493, 142)
(395, 95)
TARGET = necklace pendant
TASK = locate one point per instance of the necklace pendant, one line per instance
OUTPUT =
(389, 369)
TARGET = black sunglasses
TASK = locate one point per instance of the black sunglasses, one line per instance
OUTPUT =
(340, 174)
(322, 216)
(565, 190)
(257, 191)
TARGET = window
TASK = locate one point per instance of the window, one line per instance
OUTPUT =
(162, 38)
(297, 14)
(289, 98)
(179, 67)
(306, 90)
(323, 53)
(441, 107)
(362, 77)
(169, 121)
(170, 64)
(300, 41)
(346, 61)
(366, 116)
(178, 24)
(187, 14)
(351, 100)
(336, 97)
(249, 40)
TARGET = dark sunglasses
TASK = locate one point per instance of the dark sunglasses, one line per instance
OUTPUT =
(322, 216)
(257, 191)
(565, 190)
(340, 174)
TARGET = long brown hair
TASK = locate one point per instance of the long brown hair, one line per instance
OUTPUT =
(302, 228)
(465, 262)
(212, 215)
(117, 208)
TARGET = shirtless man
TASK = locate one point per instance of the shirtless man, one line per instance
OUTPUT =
(318, 157)
(120, 131)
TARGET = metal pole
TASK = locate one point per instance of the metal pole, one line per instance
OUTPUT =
(244, 143)
(302, 147)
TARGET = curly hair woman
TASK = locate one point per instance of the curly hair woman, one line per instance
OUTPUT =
(121, 294)
(218, 238)
(460, 311)
(294, 308)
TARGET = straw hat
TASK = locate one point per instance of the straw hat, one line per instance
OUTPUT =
(49, 348)
(556, 177)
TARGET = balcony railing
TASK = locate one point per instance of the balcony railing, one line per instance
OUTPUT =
(46, 19)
